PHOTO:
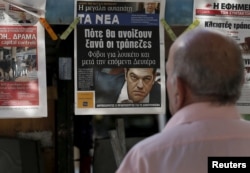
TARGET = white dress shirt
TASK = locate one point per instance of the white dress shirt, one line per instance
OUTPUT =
(192, 135)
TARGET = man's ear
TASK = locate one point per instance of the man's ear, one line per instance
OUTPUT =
(180, 96)
(125, 73)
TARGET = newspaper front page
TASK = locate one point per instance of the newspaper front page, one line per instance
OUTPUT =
(233, 19)
(22, 61)
(119, 57)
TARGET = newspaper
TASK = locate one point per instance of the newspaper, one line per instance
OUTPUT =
(119, 57)
(22, 60)
(233, 19)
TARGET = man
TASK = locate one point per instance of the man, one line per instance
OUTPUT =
(135, 85)
(205, 77)
(149, 8)
(247, 76)
(23, 18)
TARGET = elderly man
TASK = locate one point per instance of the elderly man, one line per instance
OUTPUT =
(205, 77)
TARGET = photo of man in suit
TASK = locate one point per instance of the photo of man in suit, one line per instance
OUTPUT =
(23, 18)
(149, 8)
(134, 85)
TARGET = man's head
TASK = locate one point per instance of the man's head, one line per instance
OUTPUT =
(150, 7)
(139, 82)
(203, 66)
(22, 16)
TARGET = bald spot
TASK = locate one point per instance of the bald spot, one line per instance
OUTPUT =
(207, 50)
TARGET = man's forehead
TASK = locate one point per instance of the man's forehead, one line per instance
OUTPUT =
(141, 71)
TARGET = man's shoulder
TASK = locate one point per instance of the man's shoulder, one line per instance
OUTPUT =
(107, 86)
(155, 93)
(150, 142)
(156, 86)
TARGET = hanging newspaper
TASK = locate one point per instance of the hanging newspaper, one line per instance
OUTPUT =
(232, 18)
(119, 57)
(22, 59)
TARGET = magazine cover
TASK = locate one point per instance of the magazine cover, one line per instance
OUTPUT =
(233, 19)
(22, 60)
(119, 57)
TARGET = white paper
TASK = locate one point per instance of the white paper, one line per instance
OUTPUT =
(100, 37)
(233, 19)
(23, 83)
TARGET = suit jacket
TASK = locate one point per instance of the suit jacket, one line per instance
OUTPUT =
(108, 88)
